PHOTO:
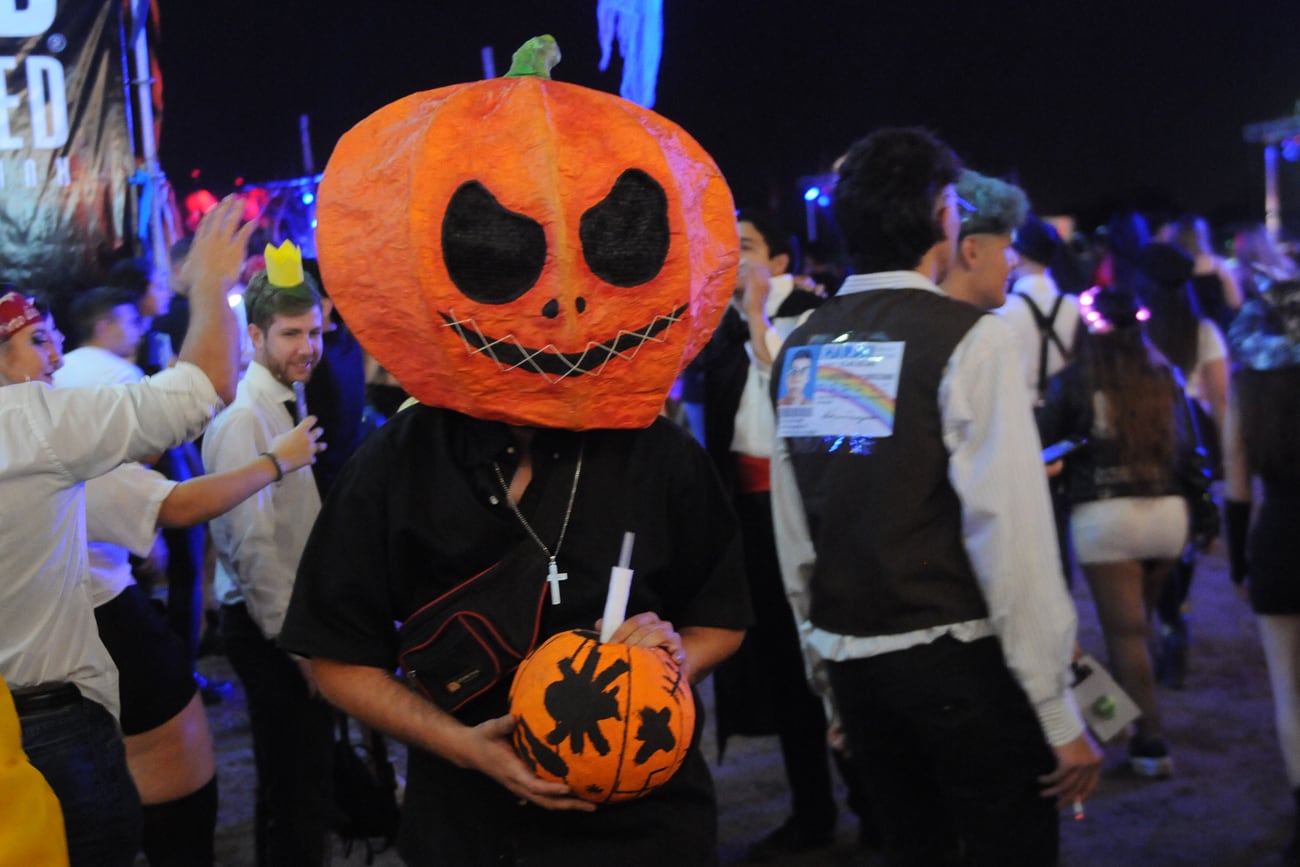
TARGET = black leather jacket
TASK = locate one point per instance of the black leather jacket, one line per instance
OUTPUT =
(1096, 471)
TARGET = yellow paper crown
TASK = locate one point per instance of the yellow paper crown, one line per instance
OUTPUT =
(283, 265)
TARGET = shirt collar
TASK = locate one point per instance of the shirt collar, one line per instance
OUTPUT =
(263, 382)
(888, 280)
(1036, 285)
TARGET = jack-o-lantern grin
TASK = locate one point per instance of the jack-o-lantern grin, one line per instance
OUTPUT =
(528, 251)
(509, 353)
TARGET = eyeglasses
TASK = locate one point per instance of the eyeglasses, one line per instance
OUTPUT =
(965, 210)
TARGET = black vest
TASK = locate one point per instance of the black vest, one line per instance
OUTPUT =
(886, 523)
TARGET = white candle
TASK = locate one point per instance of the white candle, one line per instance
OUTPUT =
(620, 582)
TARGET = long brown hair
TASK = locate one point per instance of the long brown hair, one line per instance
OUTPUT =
(1136, 382)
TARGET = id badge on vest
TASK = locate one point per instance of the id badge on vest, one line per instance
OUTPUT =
(839, 389)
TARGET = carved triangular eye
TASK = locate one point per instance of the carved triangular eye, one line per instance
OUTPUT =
(625, 235)
(492, 254)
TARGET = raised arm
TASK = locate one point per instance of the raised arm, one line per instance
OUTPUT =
(212, 342)
(757, 282)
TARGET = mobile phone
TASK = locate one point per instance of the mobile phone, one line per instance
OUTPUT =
(1056, 451)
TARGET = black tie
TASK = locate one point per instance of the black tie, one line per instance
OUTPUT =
(292, 406)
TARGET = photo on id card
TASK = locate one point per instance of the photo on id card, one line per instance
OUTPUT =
(839, 389)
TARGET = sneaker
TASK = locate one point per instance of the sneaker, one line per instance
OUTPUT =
(1149, 757)
(789, 839)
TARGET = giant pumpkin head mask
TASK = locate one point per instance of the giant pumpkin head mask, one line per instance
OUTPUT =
(528, 251)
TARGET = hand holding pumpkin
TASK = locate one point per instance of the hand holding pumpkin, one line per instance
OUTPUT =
(647, 630)
(488, 749)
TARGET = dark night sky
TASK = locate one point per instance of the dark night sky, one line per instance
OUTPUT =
(1089, 105)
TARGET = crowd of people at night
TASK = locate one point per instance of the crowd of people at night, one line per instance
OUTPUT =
(887, 590)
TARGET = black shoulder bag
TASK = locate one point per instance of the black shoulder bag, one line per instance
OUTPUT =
(469, 639)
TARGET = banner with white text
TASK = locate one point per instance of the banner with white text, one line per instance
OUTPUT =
(65, 142)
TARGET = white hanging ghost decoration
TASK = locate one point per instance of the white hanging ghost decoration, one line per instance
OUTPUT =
(639, 26)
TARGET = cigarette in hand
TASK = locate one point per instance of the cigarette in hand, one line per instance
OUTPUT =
(1079, 814)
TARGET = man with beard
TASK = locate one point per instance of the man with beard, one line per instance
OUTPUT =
(258, 547)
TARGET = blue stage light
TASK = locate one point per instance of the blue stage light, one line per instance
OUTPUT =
(811, 194)
(308, 198)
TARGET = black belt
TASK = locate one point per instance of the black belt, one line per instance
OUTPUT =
(44, 698)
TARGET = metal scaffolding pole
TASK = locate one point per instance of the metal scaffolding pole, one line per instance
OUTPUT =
(143, 82)
(1271, 133)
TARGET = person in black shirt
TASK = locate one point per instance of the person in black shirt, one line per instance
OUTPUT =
(527, 485)
(420, 510)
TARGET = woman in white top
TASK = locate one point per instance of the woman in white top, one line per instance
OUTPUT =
(64, 683)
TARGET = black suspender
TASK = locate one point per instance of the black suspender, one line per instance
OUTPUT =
(1046, 334)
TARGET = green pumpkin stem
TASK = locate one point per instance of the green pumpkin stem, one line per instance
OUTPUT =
(535, 58)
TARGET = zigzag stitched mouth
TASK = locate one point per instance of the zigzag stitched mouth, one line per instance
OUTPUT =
(509, 354)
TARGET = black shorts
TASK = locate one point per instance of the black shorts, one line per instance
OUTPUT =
(154, 676)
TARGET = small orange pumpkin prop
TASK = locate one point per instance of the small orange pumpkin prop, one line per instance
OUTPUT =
(528, 251)
(612, 721)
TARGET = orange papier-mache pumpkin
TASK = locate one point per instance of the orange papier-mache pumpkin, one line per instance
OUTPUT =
(528, 251)
(612, 721)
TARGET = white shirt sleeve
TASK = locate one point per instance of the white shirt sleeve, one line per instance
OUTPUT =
(122, 507)
(88, 431)
(996, 470)
(797, 557)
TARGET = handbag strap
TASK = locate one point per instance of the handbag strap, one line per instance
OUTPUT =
(1192, 423)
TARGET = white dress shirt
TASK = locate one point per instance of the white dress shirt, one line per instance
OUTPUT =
(994, 467)
(111, 511)
(121, 519)
(91, 365)
(52, 440)
(260, 541)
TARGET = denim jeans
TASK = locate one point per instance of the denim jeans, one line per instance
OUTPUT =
(79, 750)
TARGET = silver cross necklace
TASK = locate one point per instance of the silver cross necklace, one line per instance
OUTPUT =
(553, 574)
